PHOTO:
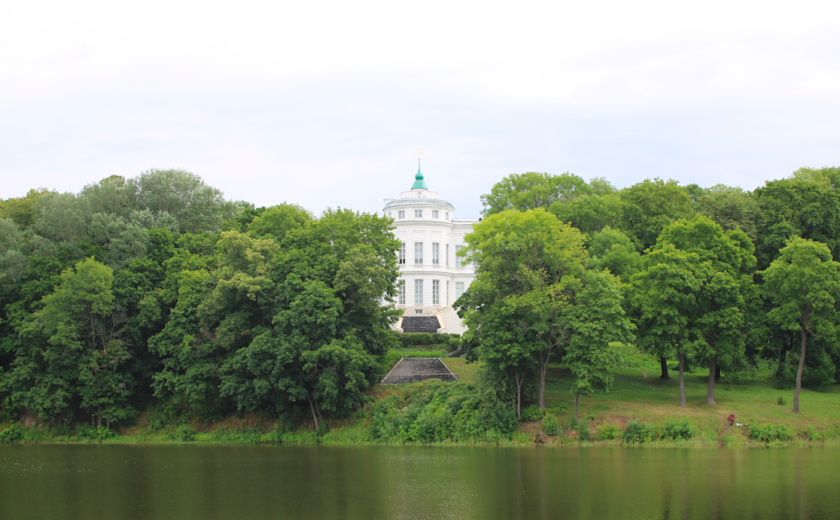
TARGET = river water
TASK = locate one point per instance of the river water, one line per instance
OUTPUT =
(204, 482)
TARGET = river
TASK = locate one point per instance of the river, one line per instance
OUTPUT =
(139, 482)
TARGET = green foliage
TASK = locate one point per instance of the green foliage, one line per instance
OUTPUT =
(183, 433)
(435, 412)
(532, 413)
(13, 433)
(582, 429)
(636, 432)
(550, 425)
(608, 432)
(650, 206)
(416, 339)
(613, 250)
(770, 433)
(781, 401)
(678, 429)
(532, 190)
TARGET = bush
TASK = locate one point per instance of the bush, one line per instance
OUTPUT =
(433, 412)
(550, 425)
(781, 401)
(770, 433)
(13, 433)
(637, 432)
(416, 339)
(85, 432)
(608, 432)
(532, 413)
(679, 429)
(184, 433)
(582, 429)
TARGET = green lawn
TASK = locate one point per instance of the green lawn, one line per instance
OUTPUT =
(638, 394)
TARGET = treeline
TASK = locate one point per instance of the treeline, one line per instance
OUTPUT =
(718, 277)
(156, 291)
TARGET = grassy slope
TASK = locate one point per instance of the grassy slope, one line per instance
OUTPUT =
(638, 394)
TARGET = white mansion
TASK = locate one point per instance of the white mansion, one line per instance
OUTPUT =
(431, 276)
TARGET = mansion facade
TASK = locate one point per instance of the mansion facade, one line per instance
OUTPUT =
(431, 277)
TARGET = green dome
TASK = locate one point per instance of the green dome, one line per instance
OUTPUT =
(418, 179)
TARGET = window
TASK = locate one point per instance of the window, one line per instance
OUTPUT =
(459, 260)
(447, 255)
(447, 215)
(447, 292)
(418, 213)
(401, 292)
(435, 213)
(418, 252)
(436, 253)
(435, 292)
(418, 292)
(390, 214)
(402, 252)
(459, 289)
(401, 213)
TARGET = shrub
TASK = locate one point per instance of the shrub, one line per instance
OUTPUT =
(532, 413)
(434, 412)
(636, 432)
(550, 425)
(781, 401)
(679, 429)
(608, 432)
(184, 433)
(770, 433)
(13, 433)
(582, 429)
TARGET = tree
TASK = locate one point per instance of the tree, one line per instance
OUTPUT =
(611, 249)
(717, 316)
(804, 285)
(22, 209)
(650, 206)
(184, 195)
(596, 320)
(82, 357)
(665, 298)
(796, 207)
(278, 220)
(590, 213)
(528, 267)
(532, 190)
(732, 208)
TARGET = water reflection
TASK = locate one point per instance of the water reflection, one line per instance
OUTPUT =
(231, 482)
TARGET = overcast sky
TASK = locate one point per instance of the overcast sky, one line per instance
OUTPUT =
(324, 103)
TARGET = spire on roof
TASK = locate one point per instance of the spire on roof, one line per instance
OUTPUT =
(418, 179)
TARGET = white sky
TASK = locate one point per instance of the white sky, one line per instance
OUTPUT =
(324, 103)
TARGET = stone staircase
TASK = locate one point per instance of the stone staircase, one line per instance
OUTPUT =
(420, 324)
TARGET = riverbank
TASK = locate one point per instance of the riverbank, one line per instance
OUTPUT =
(641, 410)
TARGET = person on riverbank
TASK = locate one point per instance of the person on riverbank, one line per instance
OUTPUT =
(731, 419)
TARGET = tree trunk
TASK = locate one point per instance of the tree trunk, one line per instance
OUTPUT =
(314, 415)
(710, 391)
(577, 398)
(93, 420)
(518, 394)
(663, 364)
(98, 420)
(682, 383)
(717, 372)
(543, 370)
(799, 371)
(108, 422)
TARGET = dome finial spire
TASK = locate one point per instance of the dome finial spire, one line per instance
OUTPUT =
(419, 184)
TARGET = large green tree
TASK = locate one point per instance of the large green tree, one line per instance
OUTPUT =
(528, 267)
(717, 317)
(524, 191)
(596, 320)
(803, 284)
(650, 206)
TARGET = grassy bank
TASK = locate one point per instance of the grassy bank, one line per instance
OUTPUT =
(641, 410)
